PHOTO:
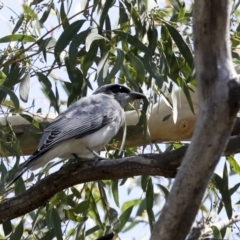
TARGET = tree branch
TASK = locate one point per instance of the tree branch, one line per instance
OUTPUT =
(219, 95)
(164, 164)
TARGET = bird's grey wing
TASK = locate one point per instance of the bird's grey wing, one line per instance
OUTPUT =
(79, 122)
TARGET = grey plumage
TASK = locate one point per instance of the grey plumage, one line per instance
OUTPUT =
(86, 126)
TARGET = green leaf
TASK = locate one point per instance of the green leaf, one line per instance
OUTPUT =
(2, 77)
(163, 189)
(115, 191)
(185, 89)
(222, 186)
(12, 96)
(137, 66)
(93, 36)
(216, 232)
(182, 46)
(93, 207)
(46, 44)
(75, 192)
(82, 207)
(124, 218)
(92, 230)
(17, 37)
(105, 9)
(144, 181)
(30, 119)
(153, 71)
(17, 234)
(48, 90)
(7, 227)
(18, 24)
(113, 215)
(152, 34)
(44, 79)
(48, 235)
(116, 67)
(24, 87)
(149, 203)
(73, 48)
(89, 58)
(66, 37)
(234, 164)
(234, 189)
(176, 4)
(45, 14)
(131, 203)
(133, 41)
(102, 70)
(56, 223)
(64, 18)
(36, 218)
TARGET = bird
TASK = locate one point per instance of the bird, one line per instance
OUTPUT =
(84, 128)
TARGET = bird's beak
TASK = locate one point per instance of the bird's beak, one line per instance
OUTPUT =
(136, 95)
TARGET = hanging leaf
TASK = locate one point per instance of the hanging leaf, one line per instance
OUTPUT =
(56, 223)
(18, 24)
(91, 38)
(102, 70)
(66, 37)
(73, 48)
(226, 198)
(133, 41)
(153, 71)
(105, 10)
(45, 14)
(17, 37)
(116, 67)
(216, 232)
(115, 191)
(24, 87)
(149, 203)
(124, 218)
(12, 96)
(234, 164)
(17, 234)
(7, 227)
(182, 46)
(63, 15)
(176, 4)
(137, 66)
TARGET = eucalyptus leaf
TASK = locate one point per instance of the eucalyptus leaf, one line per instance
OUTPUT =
(24, 87)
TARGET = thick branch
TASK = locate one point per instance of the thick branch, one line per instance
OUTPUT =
(165, 164)
(219, 95)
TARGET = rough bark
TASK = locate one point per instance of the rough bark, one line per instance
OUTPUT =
(219, 94)
(165, 164)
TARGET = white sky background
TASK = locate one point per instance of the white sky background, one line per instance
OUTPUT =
(141, 231)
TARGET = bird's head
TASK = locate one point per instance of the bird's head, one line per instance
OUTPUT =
(121, 93)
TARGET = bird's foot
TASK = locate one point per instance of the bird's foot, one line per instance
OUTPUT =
(97, 156)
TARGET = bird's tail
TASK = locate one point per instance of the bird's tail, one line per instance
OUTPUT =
(26, 165)
(16, 177)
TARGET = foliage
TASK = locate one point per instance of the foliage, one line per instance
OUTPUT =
(107, 41)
